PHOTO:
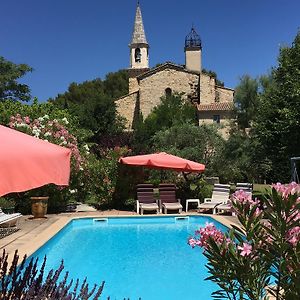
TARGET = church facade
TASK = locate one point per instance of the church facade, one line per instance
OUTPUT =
(214, 103)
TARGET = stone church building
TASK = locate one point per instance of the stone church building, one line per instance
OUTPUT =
(146, 86)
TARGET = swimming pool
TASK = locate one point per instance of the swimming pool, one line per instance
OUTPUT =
(137, 257)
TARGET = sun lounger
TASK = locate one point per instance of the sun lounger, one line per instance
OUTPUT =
(8, 220)
(219, 196)
(245, 186)
(167, 197)
(226, 206)
(145, 199)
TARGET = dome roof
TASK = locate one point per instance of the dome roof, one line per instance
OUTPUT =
(192, 40)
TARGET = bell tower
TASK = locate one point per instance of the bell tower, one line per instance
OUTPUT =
(139, 55)
(193, 51)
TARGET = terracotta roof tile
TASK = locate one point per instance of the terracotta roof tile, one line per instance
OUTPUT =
(217, 106)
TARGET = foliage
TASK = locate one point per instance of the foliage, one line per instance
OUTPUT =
(54, 131)
(26, 282)
(246, 101)
(35, 110)
(10, 89)
(173, 110)
(277, 126)
(127, 179)
(102, 174)
(93, 102)
(7, 204)
(116, 84)
(197, 143)
(261, 257)
(239, 154)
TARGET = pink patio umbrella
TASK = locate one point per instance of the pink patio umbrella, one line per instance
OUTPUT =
(27, 162)
(163, 160)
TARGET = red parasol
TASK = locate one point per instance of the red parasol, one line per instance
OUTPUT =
(163, 161)
(27, 162)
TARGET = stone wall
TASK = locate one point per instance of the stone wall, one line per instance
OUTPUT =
(126, 108)
(207, 89)
(206, 117)
(193, 60)
(153, 87)
(133, 85)
(224, 94)
(210, 92)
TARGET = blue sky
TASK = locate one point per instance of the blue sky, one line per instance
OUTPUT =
(76, 40)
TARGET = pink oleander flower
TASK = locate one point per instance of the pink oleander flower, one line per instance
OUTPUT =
(242, 197)
(205, 233)
(258, 212)
(246, 249)
(27, 120)
(288, 189)
(293, 236)
(192, 242)
(51, 131)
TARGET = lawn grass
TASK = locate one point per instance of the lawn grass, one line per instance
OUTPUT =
(261, 188)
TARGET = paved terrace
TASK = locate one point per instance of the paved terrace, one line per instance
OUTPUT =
(34, 233)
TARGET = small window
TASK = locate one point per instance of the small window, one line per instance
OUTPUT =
(168, 92)
(216, 119)
(137, 55)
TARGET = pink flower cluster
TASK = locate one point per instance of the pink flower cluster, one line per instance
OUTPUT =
(210, 231)
(204, 233)
(287, 189)
(49, 130)
(246, 249)
(245, 198)
(293, 236)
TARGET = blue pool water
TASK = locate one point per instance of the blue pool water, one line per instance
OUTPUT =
(137, 257)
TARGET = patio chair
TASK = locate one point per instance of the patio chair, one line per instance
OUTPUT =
(244, 186)
(219, 196)
(8, 220)
(145, 198)
(167, 198)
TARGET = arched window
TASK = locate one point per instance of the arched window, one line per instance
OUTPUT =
(137, 55)
(168, 92)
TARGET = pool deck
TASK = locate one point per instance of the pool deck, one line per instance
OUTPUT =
(34, 233)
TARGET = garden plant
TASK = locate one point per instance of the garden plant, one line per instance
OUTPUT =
(262, 257)
(27, 281)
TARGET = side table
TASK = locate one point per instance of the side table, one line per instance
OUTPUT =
(191, 201)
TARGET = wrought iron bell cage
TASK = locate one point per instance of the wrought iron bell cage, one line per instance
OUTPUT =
(193, 39)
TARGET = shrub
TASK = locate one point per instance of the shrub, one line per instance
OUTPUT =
(262, 257)
(26, 282)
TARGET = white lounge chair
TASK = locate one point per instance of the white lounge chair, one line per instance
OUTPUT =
(219, 196)
(226, 206)
(245, 186)
(8, 220)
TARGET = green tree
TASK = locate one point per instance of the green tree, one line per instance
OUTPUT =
(173, 110)
(246, 101)
(277, 126)
(93, 103)
(10, 89)
(116, 84)
(197, 143)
